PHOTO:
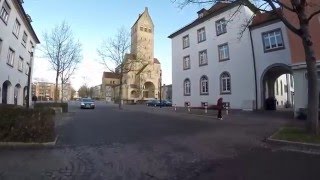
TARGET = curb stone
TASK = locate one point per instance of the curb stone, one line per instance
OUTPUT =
(28, 145)
(294, 145)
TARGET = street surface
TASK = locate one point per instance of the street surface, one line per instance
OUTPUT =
(149, 143)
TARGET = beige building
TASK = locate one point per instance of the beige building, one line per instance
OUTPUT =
(66, 92)
(109, 82)
(142, 82)
(43, 90)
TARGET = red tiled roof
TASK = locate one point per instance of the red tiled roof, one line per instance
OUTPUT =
(262, 18)
(111, 75)
(156, 61)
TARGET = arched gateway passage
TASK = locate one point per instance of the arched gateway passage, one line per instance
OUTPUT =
(6, 87)
(149, 90)
(268, 79)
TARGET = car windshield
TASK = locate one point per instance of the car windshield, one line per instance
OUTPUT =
(87, 100)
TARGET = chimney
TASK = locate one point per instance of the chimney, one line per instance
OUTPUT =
(146, 9)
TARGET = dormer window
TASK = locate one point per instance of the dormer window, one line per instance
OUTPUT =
(201, 13)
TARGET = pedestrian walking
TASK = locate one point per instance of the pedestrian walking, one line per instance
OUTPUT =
(220, 106)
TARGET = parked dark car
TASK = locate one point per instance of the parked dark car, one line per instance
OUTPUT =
(87, 103)
(153, 103)
(166, 103)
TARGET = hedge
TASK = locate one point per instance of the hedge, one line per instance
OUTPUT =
(18, 124)
(41, 105)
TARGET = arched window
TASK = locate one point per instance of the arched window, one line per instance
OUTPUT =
(225, 83)
(204, 85)
(187, 87)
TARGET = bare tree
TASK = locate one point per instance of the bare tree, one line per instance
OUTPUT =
(114, 56)
(304, 11)
(63, 53)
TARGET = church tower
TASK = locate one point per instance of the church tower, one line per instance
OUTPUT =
(142, 37)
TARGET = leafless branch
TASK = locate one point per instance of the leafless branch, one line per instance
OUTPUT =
(313, 14)
(62, 52)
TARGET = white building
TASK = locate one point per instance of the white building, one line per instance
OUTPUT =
(284, 91)
(17, 42)
(209, 61)
(271, 57)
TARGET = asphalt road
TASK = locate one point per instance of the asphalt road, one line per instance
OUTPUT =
(141, 142)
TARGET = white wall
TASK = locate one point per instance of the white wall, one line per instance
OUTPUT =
(264, 60)
(239, 66)
(9, 40)
(285, 96)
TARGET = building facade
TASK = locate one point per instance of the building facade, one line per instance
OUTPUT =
(65, 92)
(209, 60)
(166, 92)
(96, 92)
(17, 43)
(299, 67)
(243, 71)
(109, 82)
(142, 82)
(43, 90)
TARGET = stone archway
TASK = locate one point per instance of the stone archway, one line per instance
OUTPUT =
(134, 94)
(149, 90)
(268, 79)
(17, 94)
(6, 95)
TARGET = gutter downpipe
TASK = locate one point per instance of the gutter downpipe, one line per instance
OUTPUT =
(254, 69)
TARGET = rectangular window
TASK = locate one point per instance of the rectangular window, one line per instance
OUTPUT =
(281, 88)
(0, 45)
(141, 28)
(272, 40)
(24, 39)
(285, 88)
(31, 47)
(185, 41)
(277, 88)
(201, 35)
(203, 59)
(20, 65)
(10, 57)
(16, 28)
(27, 68)
(221, 26)
(5, 11)
(186, 62)
(223, 52)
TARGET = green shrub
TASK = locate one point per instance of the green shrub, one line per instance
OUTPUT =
(18, 124)
(64, 106)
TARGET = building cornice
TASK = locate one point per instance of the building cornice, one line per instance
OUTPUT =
(210, 15)
(25, 18)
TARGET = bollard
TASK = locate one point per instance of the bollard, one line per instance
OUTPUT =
(175, 107)
(188, 108)
(227, 110)
(205, 109)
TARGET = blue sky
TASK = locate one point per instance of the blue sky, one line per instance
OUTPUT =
(94, 20)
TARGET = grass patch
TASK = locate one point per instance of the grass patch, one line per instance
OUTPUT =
(297, 135)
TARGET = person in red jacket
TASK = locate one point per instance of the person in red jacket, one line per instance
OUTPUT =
(220, 106)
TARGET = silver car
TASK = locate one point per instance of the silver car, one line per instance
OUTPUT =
(87, 103)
